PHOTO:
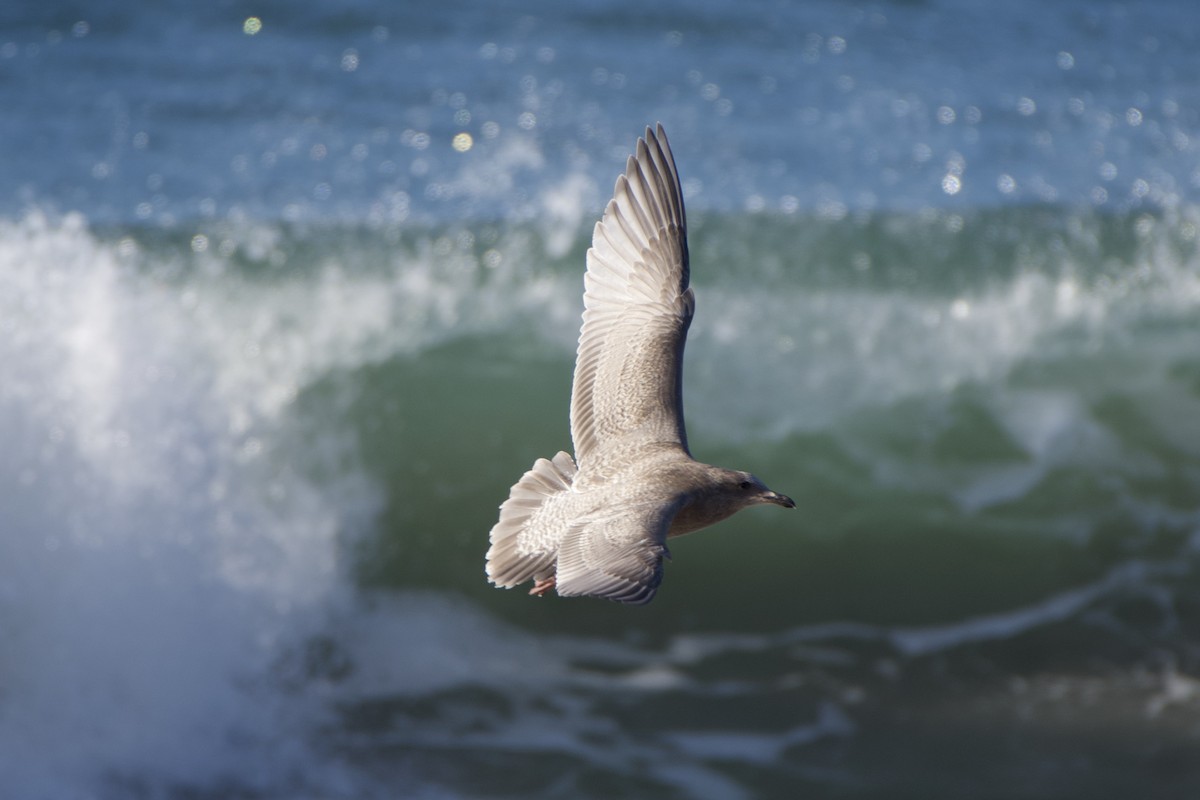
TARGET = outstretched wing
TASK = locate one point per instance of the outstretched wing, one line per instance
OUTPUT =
(618, 556)
(637, 308)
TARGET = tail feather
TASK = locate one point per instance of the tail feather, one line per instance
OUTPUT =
(514, 558)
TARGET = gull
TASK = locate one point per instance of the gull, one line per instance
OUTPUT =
(597, 525)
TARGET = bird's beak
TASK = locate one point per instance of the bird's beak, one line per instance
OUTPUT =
(779, 499)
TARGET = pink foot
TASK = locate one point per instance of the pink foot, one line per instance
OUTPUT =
(542, 586)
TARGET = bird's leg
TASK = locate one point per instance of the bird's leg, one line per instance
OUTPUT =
(543, 585)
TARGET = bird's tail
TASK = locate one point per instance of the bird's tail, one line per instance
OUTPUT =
(513, 557)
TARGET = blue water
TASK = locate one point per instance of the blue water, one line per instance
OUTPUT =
(289, 295)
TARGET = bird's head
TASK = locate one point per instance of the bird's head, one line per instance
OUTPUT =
(719, 495)
(747, 490)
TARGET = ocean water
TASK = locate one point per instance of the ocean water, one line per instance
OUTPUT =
(289, 295)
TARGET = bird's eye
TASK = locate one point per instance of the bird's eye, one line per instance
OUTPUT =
(744, 485)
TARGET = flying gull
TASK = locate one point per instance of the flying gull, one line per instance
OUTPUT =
(598, 524)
